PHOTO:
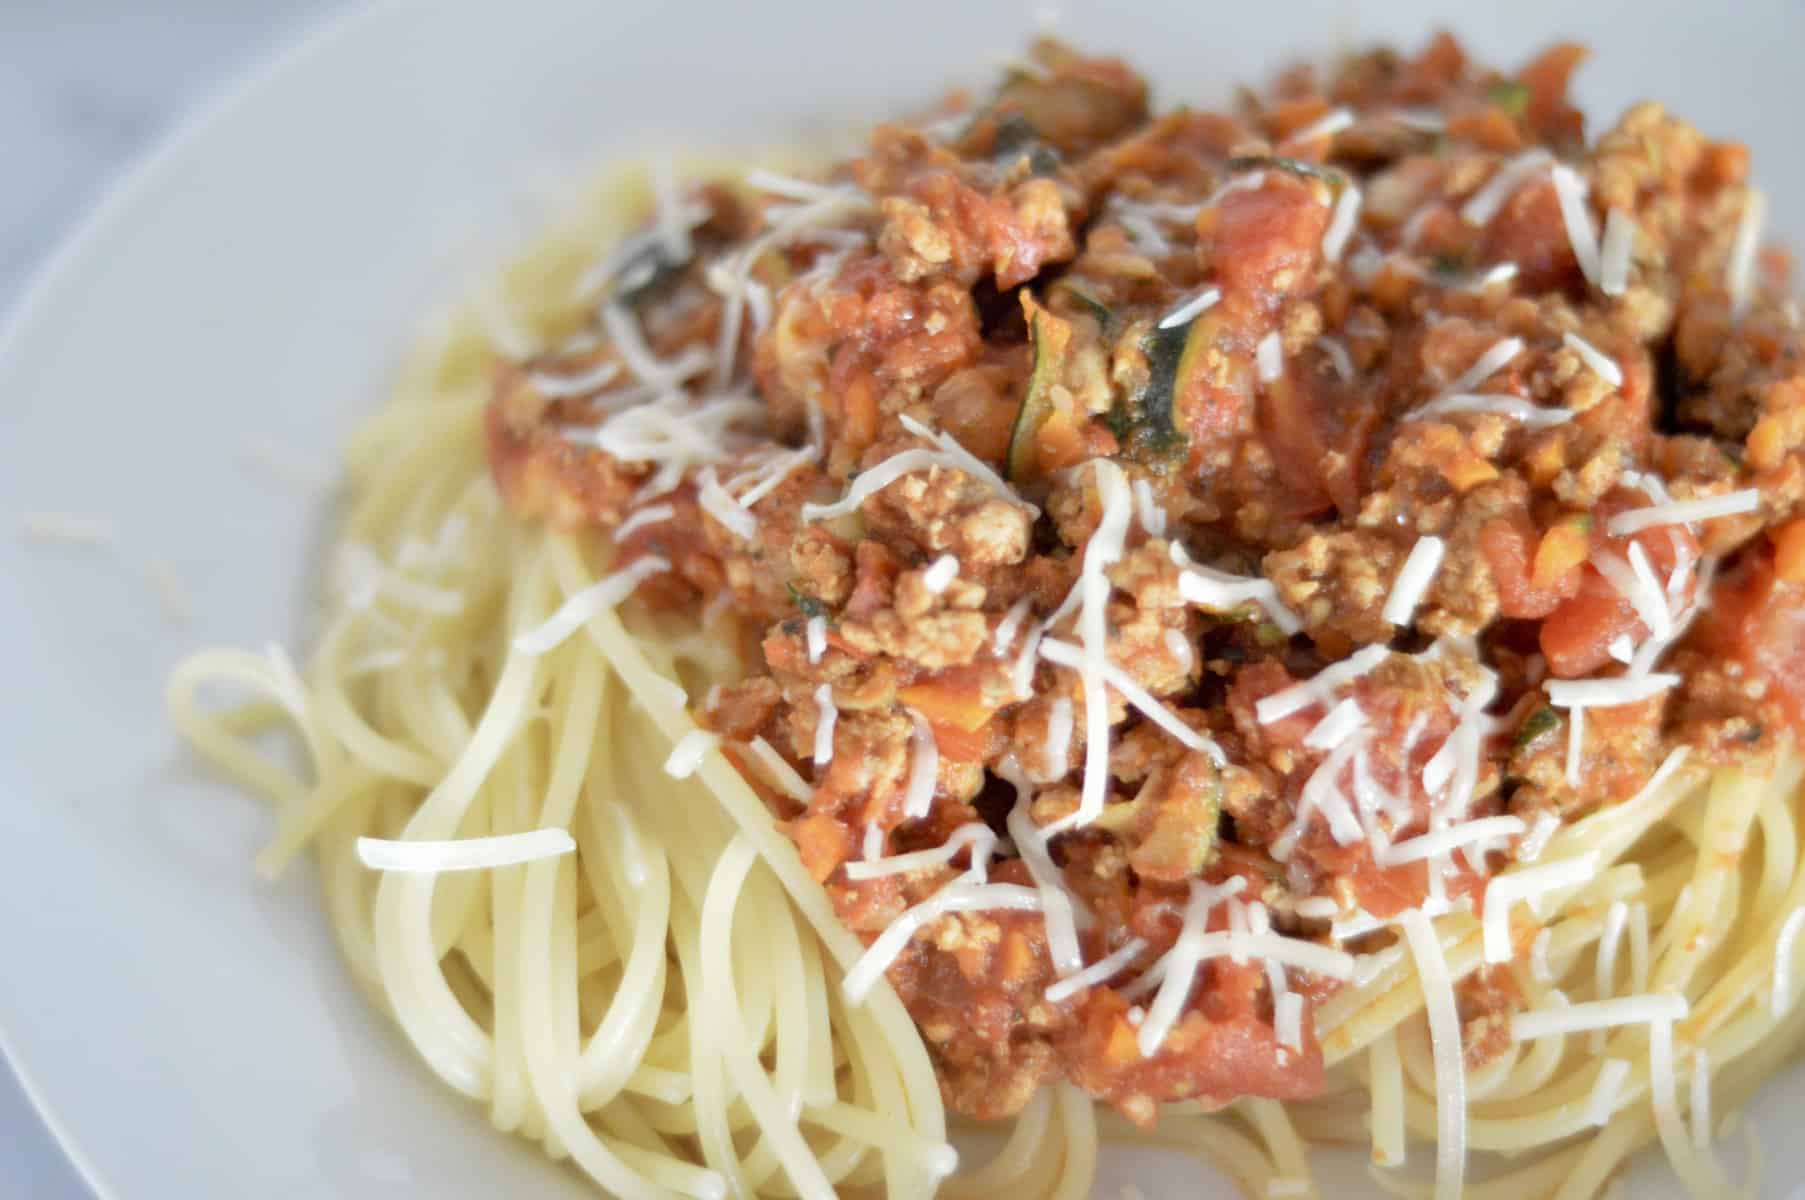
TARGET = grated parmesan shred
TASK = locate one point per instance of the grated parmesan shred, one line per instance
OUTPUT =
(827, 715)
(975, 834)
(954, 898)
(924, 768)
(584, 606)
(1593, 357)
(1269, 357)
(463, 854)
(1582, 231)
(1413, 580)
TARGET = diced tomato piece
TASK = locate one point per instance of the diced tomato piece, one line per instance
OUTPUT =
(1546, 77)
(1577, 635)
(1529, 231)
(1265, 239)
(1758, 619)
(1509, 545)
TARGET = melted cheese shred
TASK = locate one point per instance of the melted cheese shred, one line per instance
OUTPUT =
(669, 1007)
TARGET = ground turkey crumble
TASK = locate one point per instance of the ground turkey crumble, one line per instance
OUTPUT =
(1272, 321)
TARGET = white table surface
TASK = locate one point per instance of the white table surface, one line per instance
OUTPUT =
(86, 86)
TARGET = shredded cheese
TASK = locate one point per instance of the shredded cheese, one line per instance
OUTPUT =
(1057, 902)
(938, 577)
(876, 478)
(1414, 579)
(1011, 624)
(1498, 273)
(1497, 356)
(815, 634)
(1325, 126)
(1101, 971)
(966, 461)
(1338, 357)
(1218, 591)
(1684, 512)
(1341, 222)
(1269, 357)
(1067, 655)
(1179, 648)
(789, 187)
(1190, 309)
(1614, 256)
(924, 768)
(973, 833)
(1607, 693)
(1496, 404)
(730, 513)
(1650, 1008)
(771, 473)
(1638, 585)
(689, 752)
(1317, 908)
(1449, 839)
(1104, 548)
(1504, 890)
(1058, 747)
(1179, 966)
(1288, 1019)
(651, 514)
(1320, 688)
(827, 715)
(954, 898)
(1545, 825)
(1593, 357)
(1739, 275)
(463, 854)
(1484, 204)
(562, 387)
(584, 606)
(1337, 726)
(1582, 232)
(1148, 511)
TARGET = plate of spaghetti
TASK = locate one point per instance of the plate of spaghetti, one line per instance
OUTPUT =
(1047, 637)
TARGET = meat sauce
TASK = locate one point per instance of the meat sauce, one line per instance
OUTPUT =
(1273, 322)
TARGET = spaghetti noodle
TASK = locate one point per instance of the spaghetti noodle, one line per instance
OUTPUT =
(682, 905)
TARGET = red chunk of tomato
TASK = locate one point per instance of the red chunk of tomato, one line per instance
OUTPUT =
(1758, 619)
(1509, 546)
(1265, 239)
(1577, 635)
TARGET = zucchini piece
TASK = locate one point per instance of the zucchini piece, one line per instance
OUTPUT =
(1146, 426)
(1536, 725)
(1099, 312)
(1511, 95)
(1050, 337)
(1291, 166)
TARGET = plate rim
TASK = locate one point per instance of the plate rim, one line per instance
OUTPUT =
(272, 58)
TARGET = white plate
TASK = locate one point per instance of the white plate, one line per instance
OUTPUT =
(187, 1029)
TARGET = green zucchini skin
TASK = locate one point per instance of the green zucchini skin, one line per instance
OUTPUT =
(1037, 403)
